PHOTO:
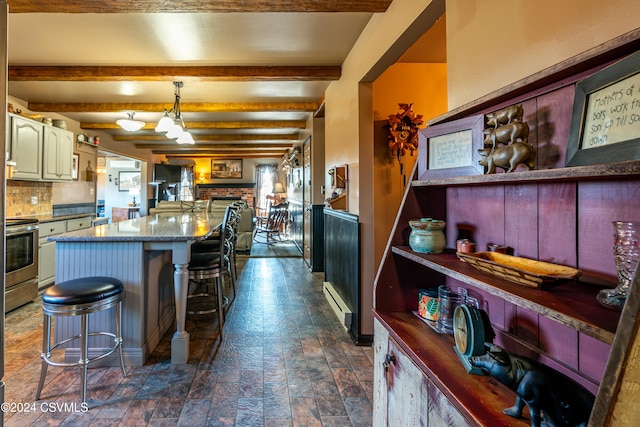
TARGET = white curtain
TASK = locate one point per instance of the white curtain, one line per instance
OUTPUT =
(186, 184)
(266, 177)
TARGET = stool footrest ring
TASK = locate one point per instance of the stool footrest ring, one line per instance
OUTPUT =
(47, 356)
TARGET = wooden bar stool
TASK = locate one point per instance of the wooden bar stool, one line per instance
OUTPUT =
(81, 297)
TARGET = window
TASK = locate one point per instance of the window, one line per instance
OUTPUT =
(186, 183)
(266, 177)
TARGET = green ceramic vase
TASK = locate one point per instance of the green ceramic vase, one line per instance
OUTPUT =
(427, 235)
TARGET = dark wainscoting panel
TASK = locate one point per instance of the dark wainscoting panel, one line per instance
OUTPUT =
(317, 238)
(342, 264)
(296, 219)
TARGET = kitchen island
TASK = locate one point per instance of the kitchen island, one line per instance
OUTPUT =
(144, 253)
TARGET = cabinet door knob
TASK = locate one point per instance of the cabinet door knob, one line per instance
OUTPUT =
(388, 360)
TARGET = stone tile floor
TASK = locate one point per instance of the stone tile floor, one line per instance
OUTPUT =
(284, 361)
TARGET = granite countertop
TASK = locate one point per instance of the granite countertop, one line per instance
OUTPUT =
(50, 217)
(159, 227)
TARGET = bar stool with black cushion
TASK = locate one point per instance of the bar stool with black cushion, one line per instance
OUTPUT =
(206, 270)
(81, 297)
(212, 245)
(232, 239)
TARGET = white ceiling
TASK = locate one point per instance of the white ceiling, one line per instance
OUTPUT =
(180, 39)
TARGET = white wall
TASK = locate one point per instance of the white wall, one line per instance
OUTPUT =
(113, 196)
(493, 43)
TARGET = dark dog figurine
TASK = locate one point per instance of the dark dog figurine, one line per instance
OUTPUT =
(545, 391)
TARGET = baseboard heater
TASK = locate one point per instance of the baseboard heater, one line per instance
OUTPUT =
(339, 307)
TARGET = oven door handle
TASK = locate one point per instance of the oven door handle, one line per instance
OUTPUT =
(20, 229)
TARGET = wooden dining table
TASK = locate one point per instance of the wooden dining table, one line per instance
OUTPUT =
(142, 253)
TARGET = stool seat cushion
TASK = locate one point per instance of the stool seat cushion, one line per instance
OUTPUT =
(204, 261)
(209, 245)
(84, 290)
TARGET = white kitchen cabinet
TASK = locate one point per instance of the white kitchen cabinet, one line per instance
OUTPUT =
(41, 152)
(47, 250)
(46, 263)
(57, 154)
(26, 148)
(79, 223)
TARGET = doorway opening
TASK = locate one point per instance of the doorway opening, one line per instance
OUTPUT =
(121, 183)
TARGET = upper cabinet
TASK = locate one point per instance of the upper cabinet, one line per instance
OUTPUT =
(26, 148)
(58, 153)
(41, 152)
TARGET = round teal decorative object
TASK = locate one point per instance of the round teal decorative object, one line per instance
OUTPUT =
(427, 235)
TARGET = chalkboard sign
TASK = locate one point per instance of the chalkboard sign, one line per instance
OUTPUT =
(605, 125)
(451, 149)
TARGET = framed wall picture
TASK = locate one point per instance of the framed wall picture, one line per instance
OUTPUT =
(226, 168)
(128, 180)
(451, 149)
(605, 124)
(75, 160)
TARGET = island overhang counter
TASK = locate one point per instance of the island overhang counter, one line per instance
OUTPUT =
(144, 253)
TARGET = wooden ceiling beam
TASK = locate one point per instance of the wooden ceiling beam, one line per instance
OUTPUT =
(196, 6)
(250, 124)
(185, 107)
(232, 137)
(212, 154)
(222, 147)
(19, 73)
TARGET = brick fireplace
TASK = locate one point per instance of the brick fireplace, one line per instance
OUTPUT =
(243, 191)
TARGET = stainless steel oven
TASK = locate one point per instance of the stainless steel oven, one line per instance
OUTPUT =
(21, 264)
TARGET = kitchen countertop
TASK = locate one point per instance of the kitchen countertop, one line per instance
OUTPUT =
(159, 227)
(49, 217)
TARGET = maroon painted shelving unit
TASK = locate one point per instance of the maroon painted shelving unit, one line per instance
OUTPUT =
(554, 213)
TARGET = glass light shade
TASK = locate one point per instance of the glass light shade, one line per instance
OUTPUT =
(164, 124)
(185, 138)
(278, 188)
(174, 131)
(130, 124)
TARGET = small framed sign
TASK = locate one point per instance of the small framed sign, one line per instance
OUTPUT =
(605, 125)
(451, 149)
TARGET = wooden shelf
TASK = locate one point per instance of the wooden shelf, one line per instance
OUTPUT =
(480, 399)
(579, 173)
(572, 303)
(90, 144)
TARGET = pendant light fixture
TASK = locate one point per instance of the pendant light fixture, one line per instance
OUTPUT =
(172, 124)
(130, 124)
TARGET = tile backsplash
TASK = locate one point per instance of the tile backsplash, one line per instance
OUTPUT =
(19, 195)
